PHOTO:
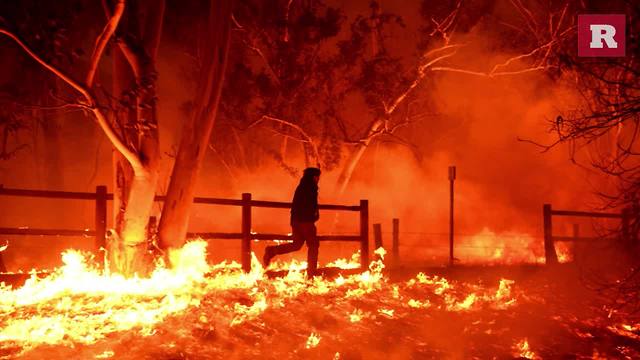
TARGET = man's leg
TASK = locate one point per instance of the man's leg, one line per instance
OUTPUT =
(313, 245)
(298, 240)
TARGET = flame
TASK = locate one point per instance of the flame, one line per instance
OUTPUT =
(564, 252)
(356, 316)
(109, 302)
(312, 341)
(81, 304)
(626, 330)
(489, 247)
(511, 247)
(522, 350)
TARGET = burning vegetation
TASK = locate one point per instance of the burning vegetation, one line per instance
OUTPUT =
(197, 310)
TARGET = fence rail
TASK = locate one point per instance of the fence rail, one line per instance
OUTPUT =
(100, 197)
(551, 257)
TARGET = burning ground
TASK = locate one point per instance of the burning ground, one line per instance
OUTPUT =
(197, 310)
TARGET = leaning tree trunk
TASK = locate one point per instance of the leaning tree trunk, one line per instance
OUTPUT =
(355, 156)
(197, 130)
(134, 81)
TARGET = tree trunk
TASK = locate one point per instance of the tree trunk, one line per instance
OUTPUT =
(197, 131)
(355, 156)
(135, 187)
(128, 249)
(133, 196)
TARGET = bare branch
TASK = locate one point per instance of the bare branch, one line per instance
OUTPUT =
(306, 137)
(89, 103)
(286, 21)
(446, 25)
(102, 41)
(389, 109)
(59, 73)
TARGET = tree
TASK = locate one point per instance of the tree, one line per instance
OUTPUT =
(129, 119)
(603, 129)
(295, 76)
(390, 87)
(50, 31)
(605, 123)
(281, 73)
(197, 130)
(135, 115)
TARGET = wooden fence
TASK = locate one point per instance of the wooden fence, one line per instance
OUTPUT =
(100, 197)
(395, 240)
(549, 239)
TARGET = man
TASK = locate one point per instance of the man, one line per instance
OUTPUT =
(304, 214)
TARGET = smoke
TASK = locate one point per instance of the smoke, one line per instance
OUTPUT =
(501, 185)
(502, 181)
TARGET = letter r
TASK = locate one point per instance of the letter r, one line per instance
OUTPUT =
(600, 33)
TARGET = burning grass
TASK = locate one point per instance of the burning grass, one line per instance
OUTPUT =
(197, 310)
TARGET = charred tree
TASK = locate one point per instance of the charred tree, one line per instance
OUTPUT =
(136, 118)
(139, 154)
(197, 129)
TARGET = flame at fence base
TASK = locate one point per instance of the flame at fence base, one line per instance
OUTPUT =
(511, 247)
(213, 309)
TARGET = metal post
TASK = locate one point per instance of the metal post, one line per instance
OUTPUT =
(101, 217)
(364, 234)
(452, 178)
(395, 248)
(246, 232)
(549, 249)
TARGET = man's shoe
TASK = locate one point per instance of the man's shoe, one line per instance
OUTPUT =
(266, 259)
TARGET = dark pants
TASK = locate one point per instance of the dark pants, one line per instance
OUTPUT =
(301, 232)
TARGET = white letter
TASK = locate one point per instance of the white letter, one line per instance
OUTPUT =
(602, 32)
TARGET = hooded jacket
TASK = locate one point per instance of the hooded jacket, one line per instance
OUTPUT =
(304, 207)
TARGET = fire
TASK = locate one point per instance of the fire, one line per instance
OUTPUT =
(313, 341)
(80, 304)
(522, 350)
(489, 247)
(626, 330)
(564, 252)
(511, 247)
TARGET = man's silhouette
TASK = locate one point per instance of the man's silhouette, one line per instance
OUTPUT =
(304, 214)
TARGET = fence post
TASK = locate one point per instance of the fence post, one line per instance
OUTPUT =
(625, 226)
(246, 232)
(550, 255)
(101, 217)
(364, 234)
(452, 178)
(395, 246)
(377, 237)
